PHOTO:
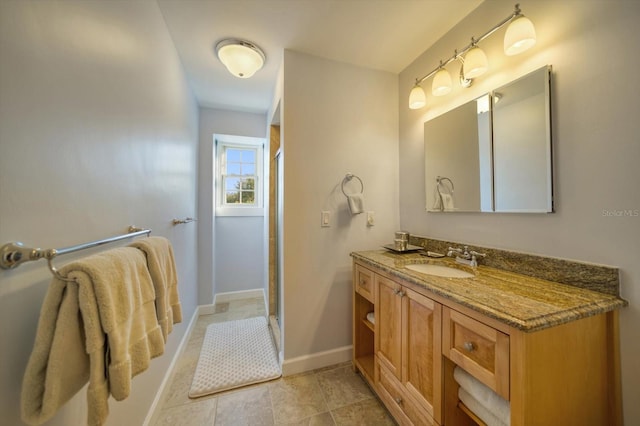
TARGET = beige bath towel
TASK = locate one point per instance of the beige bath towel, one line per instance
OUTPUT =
(100, 328)
(162, 267)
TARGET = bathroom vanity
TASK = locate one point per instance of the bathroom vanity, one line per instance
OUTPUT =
(549, 349)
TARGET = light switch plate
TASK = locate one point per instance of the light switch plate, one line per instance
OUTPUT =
(325, 219)
(371, 218)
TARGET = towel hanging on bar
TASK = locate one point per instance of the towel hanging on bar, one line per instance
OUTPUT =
(106, 308)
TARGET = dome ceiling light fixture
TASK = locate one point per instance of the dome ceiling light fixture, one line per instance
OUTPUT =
(520, 36)
(242, 58)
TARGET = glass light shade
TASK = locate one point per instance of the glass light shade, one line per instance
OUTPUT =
(520, 36)
(417, 98)
(441, 83)
(241, 59)
(475, 63)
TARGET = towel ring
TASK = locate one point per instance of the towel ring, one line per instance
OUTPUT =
(347, 179)
(439, 179)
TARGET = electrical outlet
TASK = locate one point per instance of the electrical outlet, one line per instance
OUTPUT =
(325, 219)
(371, 218)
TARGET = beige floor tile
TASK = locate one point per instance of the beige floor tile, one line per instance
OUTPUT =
(178, 390)
(221, 307)
(342, 386)
(365, 413)
(323, 419)
(333, 367)
(303, 399)
(245, 407)
(296, 398)
(194, 414)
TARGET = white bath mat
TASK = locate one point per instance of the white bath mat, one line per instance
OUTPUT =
(234, 354)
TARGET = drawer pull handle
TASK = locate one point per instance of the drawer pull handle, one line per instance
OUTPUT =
(468, 346)
(398, 400)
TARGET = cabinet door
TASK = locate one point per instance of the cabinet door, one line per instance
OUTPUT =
(388, 329)
(421, 351)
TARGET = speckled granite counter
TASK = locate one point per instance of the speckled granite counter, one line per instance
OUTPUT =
(521, 301)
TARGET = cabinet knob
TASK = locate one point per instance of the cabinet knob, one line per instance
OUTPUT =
(362, 282)
(401, 293)
(468, 346)
(398, 400)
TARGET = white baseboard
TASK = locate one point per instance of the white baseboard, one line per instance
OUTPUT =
(317, 360)
(207, 309)
(236, 295)
(174, 361)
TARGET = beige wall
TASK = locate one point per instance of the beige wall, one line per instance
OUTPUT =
(337, 118)
(591, 46)
(98, 130)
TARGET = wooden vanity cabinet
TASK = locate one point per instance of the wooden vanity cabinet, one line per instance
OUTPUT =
(408, 352)
(567, 374)
(363, 329)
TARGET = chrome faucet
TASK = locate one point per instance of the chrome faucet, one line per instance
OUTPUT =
(465, 256)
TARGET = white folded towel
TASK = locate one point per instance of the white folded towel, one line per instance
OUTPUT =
(493, 402)
(356, 203)
(371, 317)
(478, 409)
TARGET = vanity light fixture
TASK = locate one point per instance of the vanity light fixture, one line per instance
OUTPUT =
(475, 61)
(520, 36)
(242, 58)
(441, 82)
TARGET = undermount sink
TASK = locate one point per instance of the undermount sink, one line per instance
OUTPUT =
(439, 270)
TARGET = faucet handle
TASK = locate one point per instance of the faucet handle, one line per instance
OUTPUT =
(452, 250)
(476, 254)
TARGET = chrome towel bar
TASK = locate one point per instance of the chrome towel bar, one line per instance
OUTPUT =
(13, 254)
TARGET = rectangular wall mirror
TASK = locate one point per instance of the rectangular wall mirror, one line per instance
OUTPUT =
(493, 154)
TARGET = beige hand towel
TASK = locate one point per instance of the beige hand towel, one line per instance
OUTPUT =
(162, 267)
(101, 327)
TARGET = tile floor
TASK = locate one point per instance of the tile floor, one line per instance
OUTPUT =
(328, 396)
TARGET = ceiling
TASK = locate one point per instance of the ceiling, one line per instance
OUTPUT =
(379, 34)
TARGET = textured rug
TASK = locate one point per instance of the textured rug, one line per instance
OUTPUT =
(234, 354)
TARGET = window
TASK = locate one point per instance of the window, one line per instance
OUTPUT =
(239, 176)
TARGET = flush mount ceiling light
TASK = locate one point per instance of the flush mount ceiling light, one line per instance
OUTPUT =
(520, 36)
(242, 58)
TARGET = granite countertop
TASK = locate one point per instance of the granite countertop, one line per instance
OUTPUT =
(520, 301)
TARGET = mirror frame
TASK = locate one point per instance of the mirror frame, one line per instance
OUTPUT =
(486, 163)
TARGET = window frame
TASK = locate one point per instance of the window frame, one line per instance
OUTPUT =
(222, 143)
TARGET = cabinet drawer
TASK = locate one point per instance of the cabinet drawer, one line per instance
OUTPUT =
(479, 349)
(392, 393)
(363, 283)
